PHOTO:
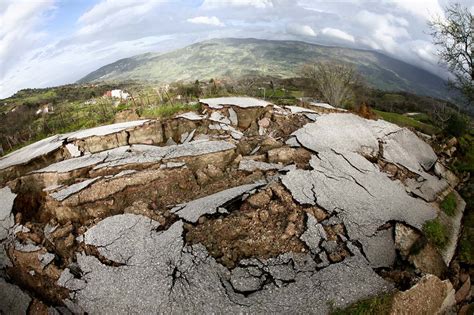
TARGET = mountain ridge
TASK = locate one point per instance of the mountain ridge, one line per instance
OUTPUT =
(236, 57)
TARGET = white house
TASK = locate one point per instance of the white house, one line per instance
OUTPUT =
(119, 94)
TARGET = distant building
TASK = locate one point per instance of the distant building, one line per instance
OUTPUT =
(117, 94)
(45, 109)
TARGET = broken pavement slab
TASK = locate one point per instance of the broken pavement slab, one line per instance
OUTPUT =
(367, 198)
(243, 102)
(171, 277)
(13, 299)
(104, 130)
(33, 151)
(192, 210)
(7, 197)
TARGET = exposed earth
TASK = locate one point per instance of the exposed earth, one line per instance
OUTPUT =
(244, 207)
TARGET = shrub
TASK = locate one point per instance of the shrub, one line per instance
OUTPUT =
(436, 232)
(449, 204)
(456, 125)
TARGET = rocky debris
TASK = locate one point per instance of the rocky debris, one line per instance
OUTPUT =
(429, 296)
(313, 235)
(413, 247)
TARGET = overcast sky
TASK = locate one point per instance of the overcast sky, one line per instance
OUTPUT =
(51, 42)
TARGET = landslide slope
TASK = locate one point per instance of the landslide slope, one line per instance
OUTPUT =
(244, 207)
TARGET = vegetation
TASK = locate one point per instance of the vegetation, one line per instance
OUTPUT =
(379, 305)
(466, 241)
(449, 204)
(334, 81)
(465, 158)
(436, 232)
(453, 36)
(406, 121)
(168, 110)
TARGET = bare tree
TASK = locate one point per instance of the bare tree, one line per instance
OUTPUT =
(334, 81)
(454, 37)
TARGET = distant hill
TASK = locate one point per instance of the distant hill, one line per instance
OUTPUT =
(235, 58)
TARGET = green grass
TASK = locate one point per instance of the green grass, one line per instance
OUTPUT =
(436, 232)
(168, 110)
(378, 305)
(449, 204)
(405, 121)
(466, 242)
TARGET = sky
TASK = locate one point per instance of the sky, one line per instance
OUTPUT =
(52, 42)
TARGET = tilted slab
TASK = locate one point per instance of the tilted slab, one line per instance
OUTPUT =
(138, 154)
(406, 149)
(13, 299)
(7, 197)
(32, 151)
(192, 210)
(243, 102)
(105, 130)
(343, 132)
(298, 109)
(51, 144)
(72, 189)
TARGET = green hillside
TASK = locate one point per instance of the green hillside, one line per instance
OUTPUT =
(234, 58)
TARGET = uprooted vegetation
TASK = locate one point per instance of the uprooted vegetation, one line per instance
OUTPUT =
(250, 204)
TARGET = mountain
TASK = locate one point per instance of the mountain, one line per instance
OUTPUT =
(235, 58)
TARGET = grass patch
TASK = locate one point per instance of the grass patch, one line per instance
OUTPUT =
(379, 305)
(449, 204)
(436, 232)
(405, 121)
(168, 110)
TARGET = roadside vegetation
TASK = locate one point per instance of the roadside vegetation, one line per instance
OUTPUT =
(449, 204)
(436, 232)
(378, 305)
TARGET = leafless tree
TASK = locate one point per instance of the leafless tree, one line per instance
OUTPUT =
(453, 35)
(334, 81)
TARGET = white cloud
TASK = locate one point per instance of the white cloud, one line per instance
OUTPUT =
(337, 33)
(208, 20)
(300, 30)
(214, 4)
(18, 29)
(109, 14)
(421, 8)
(384, 29)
